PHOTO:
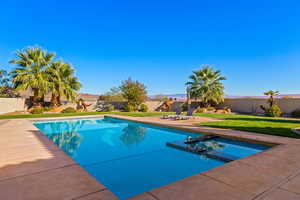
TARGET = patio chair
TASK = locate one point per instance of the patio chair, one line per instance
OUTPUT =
(178, 113)
(189, 115)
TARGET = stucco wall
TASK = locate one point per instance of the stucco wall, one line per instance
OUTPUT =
(11, 105)
(250, 105)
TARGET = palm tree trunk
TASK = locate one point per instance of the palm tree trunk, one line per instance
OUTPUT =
(54, 100)
(35, 98)
(58, 100)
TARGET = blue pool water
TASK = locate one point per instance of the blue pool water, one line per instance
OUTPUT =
(131, 158)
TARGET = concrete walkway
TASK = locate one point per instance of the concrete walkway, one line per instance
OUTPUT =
(33, 168)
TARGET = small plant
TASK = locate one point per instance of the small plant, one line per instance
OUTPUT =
(68, 110)
(211, 109)
(201, 110)
(273, 111)
(144, 108)
(108, 108)
(129, 108)
(47, 109)
(296, 113)
(37, 110)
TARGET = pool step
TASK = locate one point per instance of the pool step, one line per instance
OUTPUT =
(201, 138)
(188, 146)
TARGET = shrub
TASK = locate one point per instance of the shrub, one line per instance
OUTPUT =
(129, 108)
(108, 108)
(68, 110)
(37, 110)
(273, 111)
(144, 108)
(201, 110)
(296, 113)
(47, 109)
(211, 109)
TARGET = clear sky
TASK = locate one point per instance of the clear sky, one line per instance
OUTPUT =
(255, 43)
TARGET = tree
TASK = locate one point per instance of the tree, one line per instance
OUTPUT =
(30, 73)
(206, 85)
(62, 82)
(134, 92)
(271, 94)
(6, 89)
(4, 78)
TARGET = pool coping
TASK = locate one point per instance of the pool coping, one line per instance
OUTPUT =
(230, 181)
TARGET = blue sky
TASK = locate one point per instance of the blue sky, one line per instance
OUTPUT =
(255, 43)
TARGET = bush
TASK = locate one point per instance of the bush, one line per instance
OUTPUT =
(68, 110)
(47, 109)
(201, 110)
(144, 108)
(296, 113)
(273, 111)
(37, 110)
(108, 108)
(129, 108)
(211, 109)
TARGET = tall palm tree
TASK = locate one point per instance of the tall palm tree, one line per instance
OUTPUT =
(271, 94)
(62, 82)
(206, 85)
(30, 73)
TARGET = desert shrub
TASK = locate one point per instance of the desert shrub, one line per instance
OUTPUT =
(37, 110)
(273, 111)
(296, 113)
(129, 108)
(47, 109)
(108, 108)
(211, 109)
(68, 110)
(200, 110)
(144, 108)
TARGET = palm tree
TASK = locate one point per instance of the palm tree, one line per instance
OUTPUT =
(62, 82)
(206, 85)
(271, 94)
(30, 73)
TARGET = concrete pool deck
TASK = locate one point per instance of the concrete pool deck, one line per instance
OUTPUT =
(32, 167)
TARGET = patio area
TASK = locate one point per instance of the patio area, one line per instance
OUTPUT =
(32, 167)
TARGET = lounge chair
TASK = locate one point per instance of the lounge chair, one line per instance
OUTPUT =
(189, 115)
(178, 112)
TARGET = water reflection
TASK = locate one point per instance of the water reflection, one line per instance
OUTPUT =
(65, 135)
(133, 135)
(68, 141)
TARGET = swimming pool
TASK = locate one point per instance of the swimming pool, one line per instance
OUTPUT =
(131, 158)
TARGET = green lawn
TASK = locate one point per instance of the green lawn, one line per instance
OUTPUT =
(132, 114)
(265, 125)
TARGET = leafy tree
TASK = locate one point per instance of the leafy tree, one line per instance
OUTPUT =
(205, 84)
(30, 73)
(6, 88)
(271, 94)
(62, 82)
(134, 92)
(4, 78)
